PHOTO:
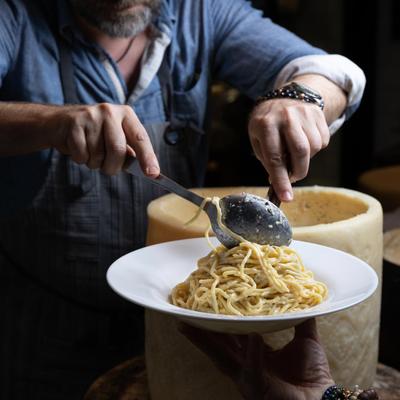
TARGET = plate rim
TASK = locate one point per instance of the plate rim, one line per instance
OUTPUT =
(223, 318)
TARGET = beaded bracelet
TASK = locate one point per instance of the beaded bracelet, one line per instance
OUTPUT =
(340, 393)
(294, 91)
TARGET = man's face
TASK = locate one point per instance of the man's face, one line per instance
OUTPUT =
(118, 18)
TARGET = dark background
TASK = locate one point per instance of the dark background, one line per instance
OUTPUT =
(368, 32)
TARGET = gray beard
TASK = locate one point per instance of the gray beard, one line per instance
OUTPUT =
(97, 13)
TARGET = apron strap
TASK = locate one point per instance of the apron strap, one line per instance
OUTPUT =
(165, 78)
(67, 74)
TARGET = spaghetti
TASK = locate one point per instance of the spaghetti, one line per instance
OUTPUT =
(249, 279)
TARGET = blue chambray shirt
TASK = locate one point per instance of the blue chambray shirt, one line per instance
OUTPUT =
(226, 40)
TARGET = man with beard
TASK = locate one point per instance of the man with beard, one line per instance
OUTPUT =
(84, 84)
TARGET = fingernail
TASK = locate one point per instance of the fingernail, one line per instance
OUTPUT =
(152, 170)
(287, 196)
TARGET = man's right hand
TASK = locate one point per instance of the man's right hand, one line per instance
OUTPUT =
(101, 136)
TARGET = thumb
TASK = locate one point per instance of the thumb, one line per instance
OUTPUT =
(307, 329)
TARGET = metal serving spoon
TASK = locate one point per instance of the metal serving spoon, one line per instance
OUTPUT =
(252, 217)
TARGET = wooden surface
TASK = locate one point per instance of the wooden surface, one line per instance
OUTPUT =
(124, 382)
(128, 382)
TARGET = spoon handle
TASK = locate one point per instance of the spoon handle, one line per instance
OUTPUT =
(272, 196)
(132, 167)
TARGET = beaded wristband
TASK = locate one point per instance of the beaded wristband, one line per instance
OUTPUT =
(340, 393)
(294, 91)
(332, 393)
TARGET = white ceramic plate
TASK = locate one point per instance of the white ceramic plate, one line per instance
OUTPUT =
(146, 277)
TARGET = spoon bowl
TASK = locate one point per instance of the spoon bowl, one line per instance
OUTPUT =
(256, 219)
(252, 217)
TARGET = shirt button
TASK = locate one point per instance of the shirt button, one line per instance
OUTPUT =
(172, 137)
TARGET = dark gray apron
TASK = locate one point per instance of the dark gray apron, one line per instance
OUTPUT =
(61, 325)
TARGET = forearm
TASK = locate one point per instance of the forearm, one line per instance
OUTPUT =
(99, 135)
(25, 127)
(334, 97)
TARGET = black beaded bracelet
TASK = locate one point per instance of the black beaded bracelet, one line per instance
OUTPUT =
(336, 392)
(294, 91)
(332, 393)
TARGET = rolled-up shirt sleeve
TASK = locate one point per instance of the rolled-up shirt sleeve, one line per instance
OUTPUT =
(249, 50)
(340, 70)
(255, 55)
